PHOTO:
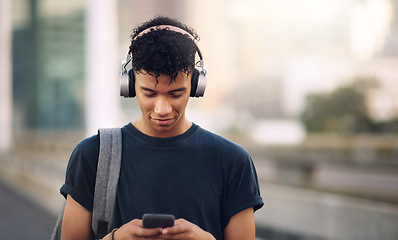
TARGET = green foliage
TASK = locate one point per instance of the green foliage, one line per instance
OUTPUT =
(341, 111)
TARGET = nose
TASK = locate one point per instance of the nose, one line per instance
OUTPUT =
(162, 106)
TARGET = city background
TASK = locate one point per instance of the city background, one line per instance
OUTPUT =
(309, 87)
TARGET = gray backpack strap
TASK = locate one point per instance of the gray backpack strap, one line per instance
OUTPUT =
(56, 235)
(106, 181)
(105, 185)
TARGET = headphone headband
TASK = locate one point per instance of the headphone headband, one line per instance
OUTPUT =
(160, 27)
(171, 28)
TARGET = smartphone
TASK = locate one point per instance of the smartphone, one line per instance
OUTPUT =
(150, 220)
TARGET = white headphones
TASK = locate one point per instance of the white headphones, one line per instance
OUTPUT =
(199, 76)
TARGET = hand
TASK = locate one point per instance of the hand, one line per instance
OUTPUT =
(133, 230)
(184, 230)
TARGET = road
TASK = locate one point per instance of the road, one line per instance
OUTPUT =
(21, 219)
(289, 212)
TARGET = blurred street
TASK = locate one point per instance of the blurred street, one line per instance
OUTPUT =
(20, 218)
(309, 88)
(361, 203)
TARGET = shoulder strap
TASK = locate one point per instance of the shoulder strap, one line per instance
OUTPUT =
(108, 171)
(105, 185)
(56, 234)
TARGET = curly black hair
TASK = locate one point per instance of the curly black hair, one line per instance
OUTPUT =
(163, 51)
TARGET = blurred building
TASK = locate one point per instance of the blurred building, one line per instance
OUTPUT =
(263, 57)
(49, 56)
(48, 64)
(291, 49)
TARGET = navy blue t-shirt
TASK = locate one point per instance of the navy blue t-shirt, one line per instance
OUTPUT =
(198, 176)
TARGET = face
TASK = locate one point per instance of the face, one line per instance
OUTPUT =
(162, 104)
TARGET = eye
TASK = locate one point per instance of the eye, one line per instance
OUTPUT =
(176, 95)
(150, 94)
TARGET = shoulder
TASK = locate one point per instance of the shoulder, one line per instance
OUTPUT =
(81, 172)
(90, 144)
(87, 149)
(215, 142)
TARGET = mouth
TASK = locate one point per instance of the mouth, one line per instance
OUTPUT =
(162, 122)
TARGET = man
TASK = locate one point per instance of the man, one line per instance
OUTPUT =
(169, 164)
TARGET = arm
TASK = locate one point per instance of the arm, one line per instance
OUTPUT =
(241, 226)
(76, 223)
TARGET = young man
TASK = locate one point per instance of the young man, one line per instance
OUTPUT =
(169, 164)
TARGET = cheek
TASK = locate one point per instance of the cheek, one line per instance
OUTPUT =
(183, 104)
(145, 105)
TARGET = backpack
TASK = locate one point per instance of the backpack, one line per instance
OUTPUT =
(107, 177)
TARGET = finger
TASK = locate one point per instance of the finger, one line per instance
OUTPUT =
(136, 222)
(134, 229)
(148, 232)
(180, 221)
(177, 236)
(177, 229)
(180, 228)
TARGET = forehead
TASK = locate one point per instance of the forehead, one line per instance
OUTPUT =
(162, 81)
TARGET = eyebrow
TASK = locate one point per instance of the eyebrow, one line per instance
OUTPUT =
(172, 91)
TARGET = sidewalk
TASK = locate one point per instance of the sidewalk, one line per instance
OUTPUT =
(22, 219)
(37, 175)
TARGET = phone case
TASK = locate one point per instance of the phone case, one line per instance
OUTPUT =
(150, 220)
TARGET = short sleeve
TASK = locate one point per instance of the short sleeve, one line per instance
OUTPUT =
(242, 191)
(81, 172)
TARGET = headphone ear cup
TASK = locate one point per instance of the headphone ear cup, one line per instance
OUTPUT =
(198, 83)
(127, 84)
(131, 83)
(194, 82)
